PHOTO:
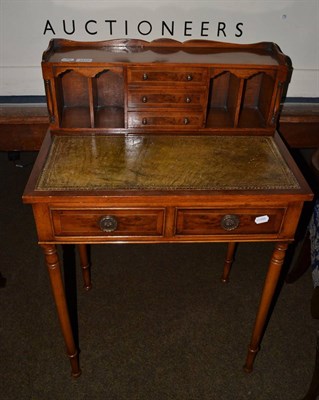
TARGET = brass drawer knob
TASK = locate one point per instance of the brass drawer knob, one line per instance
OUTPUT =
(108, 223)
(188, 100)
(144, 121)
(230, 222)
(145, 77)
(189, 77)
(186, 121)
(144, 99)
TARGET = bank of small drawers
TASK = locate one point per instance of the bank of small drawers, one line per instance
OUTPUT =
(146, 222)
(164, 97)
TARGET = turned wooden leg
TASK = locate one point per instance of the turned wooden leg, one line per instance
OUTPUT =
(228, 261)
(85, 265)
(53, 264)
(270, 285)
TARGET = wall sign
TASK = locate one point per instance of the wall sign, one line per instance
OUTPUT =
(27, 26)
(92, 27)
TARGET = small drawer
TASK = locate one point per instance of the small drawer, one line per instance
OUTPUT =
(229, 221)
(164, 119)
(148, 75)
(108, 222)
(142, 98)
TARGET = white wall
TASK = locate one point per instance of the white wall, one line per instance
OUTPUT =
(27, 26)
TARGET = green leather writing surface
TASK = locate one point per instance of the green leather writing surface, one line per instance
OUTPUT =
(153, 162)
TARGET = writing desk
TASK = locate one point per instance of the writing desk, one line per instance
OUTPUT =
(127, 172)
(154, 189)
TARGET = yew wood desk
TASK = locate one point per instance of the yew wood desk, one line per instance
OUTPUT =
(164, 142)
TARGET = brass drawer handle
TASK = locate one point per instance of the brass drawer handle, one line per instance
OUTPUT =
(144, 99)
(189, 77)
(186, 121)
(144, 121)
(145, 77)
(108, 223)
(230, 222)
(188, 100)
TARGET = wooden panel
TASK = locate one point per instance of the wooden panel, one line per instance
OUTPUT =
(299, 124)
(145, 98)
(301, 134)
(161, 76)
(110, 89)
(76, 117)
(86, 222)
(22, 137)
(74, 89)
(22, 127)
(166, 119)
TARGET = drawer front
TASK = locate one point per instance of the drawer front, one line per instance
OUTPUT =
(227, 221)
(142, 98)
(147, 75)
(108, 222)
(165, 119)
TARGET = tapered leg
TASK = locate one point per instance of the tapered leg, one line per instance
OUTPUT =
(228, 261)
(53, 264)
(270, 285)
(85, 265)
(70, 287)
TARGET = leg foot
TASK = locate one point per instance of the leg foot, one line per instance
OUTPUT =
(74, 361)
(248, 367)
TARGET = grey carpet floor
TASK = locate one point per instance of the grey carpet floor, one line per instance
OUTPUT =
(158, 323)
